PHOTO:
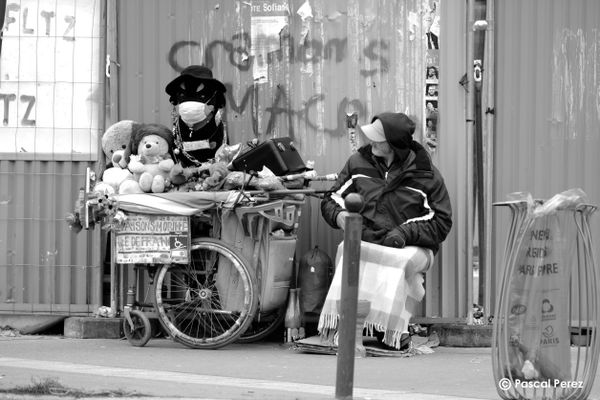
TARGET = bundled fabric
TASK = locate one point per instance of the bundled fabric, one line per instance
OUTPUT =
(179, 203)
(390, 279)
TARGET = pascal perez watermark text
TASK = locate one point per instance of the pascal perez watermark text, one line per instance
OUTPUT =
(506, 384)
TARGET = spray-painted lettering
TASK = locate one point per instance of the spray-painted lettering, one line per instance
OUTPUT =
(28, 22)
(29, 101)
(309, 51)
(238, 52)
(280, 107)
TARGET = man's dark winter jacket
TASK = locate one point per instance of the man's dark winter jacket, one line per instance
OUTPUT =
(410, 195)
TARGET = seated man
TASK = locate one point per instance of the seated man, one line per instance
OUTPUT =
(405, 199)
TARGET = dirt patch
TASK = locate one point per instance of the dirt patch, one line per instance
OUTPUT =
(52, 387)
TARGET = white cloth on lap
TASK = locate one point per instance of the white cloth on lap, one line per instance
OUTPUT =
(390, 279)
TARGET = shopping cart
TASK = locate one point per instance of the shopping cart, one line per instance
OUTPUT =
(219, 263)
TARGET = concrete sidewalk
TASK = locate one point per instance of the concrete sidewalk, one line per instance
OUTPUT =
(265, 370)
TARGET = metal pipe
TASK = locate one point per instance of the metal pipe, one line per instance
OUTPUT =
(470, 128)
(2, 16)
(488, 131)
(112, 77)
(110, 117)
(285, 192)
(114, 277)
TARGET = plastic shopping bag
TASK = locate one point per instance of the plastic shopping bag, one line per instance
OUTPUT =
(538, 292)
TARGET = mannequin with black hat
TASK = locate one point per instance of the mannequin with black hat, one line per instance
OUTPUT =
(198, 101)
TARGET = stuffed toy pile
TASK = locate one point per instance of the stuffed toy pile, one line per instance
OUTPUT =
(193, 156)
(117, 178)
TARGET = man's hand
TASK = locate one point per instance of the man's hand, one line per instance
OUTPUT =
(340, 220)
(394, 238)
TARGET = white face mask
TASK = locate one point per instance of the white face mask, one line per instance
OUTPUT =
(194, 112)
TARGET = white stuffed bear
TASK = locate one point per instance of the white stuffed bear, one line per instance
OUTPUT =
(151, 158)
(115, 143)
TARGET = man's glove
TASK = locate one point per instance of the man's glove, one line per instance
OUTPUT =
(394, 238)
(373, 235)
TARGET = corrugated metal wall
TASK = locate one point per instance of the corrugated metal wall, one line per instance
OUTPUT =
(52, 60)
(547, 103)
(358, 56)
(449, 297)
(44, 268)
(363, 56)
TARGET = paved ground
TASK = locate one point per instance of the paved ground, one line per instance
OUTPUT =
(265, 370)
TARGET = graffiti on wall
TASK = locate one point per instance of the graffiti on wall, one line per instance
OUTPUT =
(28, 22)
(315, 51)
(22, 20)
(6, 99)
(50, 99)
(576, 83)
(312, 51)
(280, 108)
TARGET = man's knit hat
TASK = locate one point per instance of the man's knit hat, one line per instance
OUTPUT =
(398, 130)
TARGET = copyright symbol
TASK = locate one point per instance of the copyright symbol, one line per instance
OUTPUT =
(504, 384)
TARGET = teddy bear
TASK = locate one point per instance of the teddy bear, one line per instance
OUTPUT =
(217, 173)
(207, 176)
(180, 175)
(115, 142)
(151, 159)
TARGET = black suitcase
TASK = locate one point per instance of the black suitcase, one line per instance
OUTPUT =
(279, 155)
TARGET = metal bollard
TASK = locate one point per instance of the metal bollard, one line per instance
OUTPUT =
(349, 299)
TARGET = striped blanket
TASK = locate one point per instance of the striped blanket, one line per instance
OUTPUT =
(390, 279)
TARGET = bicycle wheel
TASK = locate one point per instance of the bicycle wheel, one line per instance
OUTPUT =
(263, 325)
(209, 302)
(139, 331)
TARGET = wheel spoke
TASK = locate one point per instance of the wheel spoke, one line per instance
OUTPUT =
(189, 303)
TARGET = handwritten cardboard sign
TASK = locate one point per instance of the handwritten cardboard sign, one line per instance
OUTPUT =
(153, 239)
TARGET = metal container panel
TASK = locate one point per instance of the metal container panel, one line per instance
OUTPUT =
(449, 283)
(547, 105)
(350, 56)
(44, 267)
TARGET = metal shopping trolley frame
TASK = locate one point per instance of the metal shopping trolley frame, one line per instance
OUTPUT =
(227, 286)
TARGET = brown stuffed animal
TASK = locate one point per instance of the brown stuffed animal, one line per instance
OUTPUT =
(216, 178)
(115, 142)
(151, 160)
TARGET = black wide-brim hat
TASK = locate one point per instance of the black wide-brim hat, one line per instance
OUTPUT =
(191, 74)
